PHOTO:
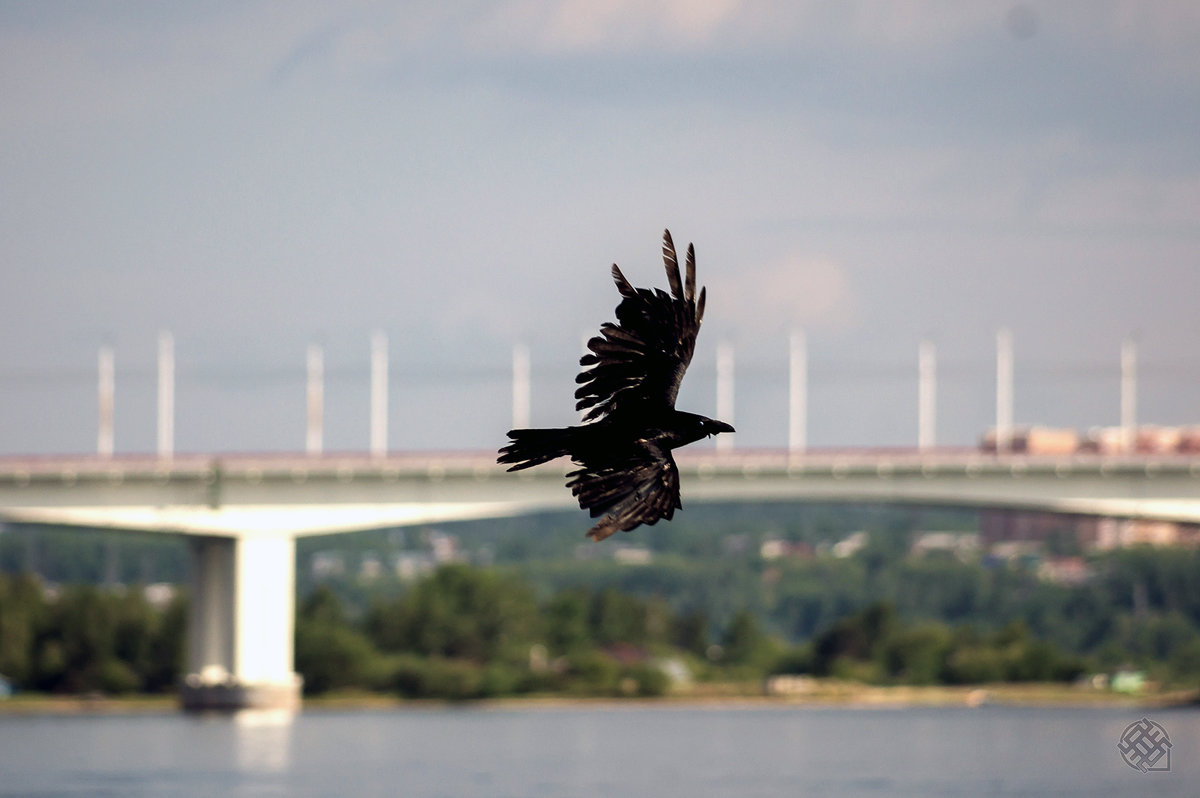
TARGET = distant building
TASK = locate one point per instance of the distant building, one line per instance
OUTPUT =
(443, 547)
(371, 568)
(1189, 439)
(1103, 440)
(1065, 570)
(776, 548)
(1036, 440)
(1116, 533)
(159, 594)
(1149, 439)
(772, 549)
(1015, 550)
(632, 555)
(997, 526)
(851, 544)
(1144, 439)
(962, 545)
(410, 565)
(325, 564)
(1084, 532)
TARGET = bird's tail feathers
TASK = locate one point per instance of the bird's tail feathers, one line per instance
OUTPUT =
(606, 528)
(530, 447)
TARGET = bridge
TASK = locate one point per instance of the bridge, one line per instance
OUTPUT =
(242, 514)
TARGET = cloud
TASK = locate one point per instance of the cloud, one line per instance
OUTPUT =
(618, 25)
(107, 70)
(681, 26)
(1162, 205)
(797, 290)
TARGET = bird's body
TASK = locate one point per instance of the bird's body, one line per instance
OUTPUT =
(628, 387)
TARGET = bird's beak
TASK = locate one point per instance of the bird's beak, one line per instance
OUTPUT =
(721, 426)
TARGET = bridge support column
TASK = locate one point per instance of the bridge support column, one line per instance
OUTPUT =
(239, 651)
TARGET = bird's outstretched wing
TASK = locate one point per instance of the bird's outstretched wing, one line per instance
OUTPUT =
(638, 490)
(641, 359)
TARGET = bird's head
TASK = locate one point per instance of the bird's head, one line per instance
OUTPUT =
(690, 427)
(710, 426)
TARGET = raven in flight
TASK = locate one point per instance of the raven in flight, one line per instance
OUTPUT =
(628, 386)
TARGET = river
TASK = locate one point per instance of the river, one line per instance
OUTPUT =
(596, 750)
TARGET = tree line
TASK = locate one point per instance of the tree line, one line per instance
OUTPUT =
(81, 638)
(552, 620)
(1140, 608)
(464, 632)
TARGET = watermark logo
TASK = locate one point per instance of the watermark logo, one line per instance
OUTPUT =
(1145, 746)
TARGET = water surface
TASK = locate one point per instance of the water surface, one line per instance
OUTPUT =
(591, 751)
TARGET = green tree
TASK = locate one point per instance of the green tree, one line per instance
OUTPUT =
(331, 657)
(330, 653)
(743, 641)
(916, 654)
(86, 625)
(566, 621)
(458, 612)
(691, 632)
(134, 624)
(974, 664)
(165, 648)
(22, 612)
(322, 607)
(617, 618)
(857, 637)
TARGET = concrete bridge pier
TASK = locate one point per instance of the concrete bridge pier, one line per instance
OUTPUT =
(240, 629)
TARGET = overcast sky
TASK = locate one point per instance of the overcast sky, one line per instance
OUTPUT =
(256, 177)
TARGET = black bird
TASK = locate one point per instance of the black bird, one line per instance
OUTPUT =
(628, 387)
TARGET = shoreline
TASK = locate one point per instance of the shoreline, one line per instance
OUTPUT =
(718, 696)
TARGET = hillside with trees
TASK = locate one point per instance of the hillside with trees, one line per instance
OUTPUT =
(524, 605)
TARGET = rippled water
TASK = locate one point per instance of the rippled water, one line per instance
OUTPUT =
(595, 751)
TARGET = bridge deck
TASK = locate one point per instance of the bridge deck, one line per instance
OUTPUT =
(250, 494)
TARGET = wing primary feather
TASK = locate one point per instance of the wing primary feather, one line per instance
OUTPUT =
(642, 357)
(671, 262)
(689, 290)
(623, 285)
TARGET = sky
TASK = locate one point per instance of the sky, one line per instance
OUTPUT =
(256, 177)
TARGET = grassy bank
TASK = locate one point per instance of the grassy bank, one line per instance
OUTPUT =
(44, 704)
(823, 692)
